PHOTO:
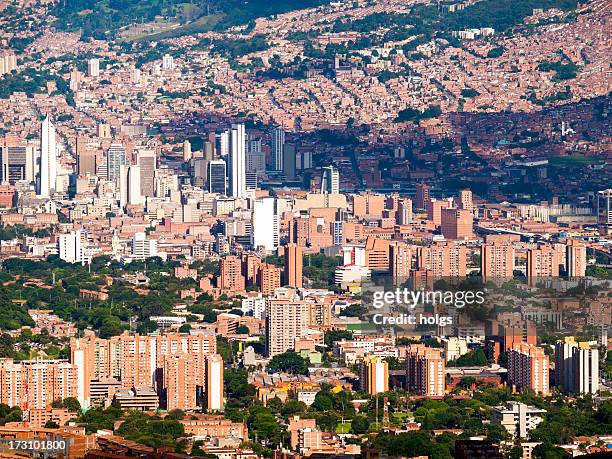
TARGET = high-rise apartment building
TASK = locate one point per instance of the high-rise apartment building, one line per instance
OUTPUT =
(230, 275)
(497, 260)
(268, 278)
(237, 161)
(286, 320)
(71, 247)
(404, 212)
(293, 265)
(443, 260)
(374, 375)
(8, 62)
(543, 261)
(400, 260)
(434, 210)
(48, 159)
(528, 368)
(143, 247)
(214, 400)
(575, 258)
(465, 200)
(425, 373)
(576, 367)
(93, 67)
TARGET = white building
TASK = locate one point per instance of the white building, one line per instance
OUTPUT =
(278, 141)
(238, 161)
(265, 224)
(130, 188)
(214, 383)
(254, 306)
(454, 348)
(330, 183)
(168, 62)
(48, 159)
(93, 67)
(143, 248)
(516, 414)
(576, 367)
(72, 248)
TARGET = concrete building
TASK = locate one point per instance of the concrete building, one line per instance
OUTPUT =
(237, 161)
(517, 415)
(330, 182)
(293, 265)
(265, 224)
(497, 260)
(576, 367)
(374, 375)
(71, 247)
(425, 371)
(48, 160)
(528, 368)
(575, 257)
(286, 320)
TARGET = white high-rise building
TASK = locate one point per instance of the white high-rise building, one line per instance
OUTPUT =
(576, 367)
(93, 67)
(214, 383)
(130, 187)
(237, 161)
(168, 62)
(224, 141)
(278, 141)
(72, 248)
(330, 183)
(143, 248)
(48, 159)
(265, 224)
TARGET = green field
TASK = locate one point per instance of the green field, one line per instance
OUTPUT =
(573, 160)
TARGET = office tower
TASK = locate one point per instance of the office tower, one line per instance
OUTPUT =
(72, 247)
(528, 368)
(143, 247)
(278, 143)
(400, 260)
(8, 62)
(230, 276)
(286, 320)
(465, 200)
(576, 367)
(115, 158)
(289, 158)
(603, 209)
(147, 161)
(404, 212)
(268, 278)
(575, 258)
(542, 261)
(368, 205)
(425, 371)
(422, 197)
(443, 260)
(48, 159)
(293, 265)
(374, 372)
(104, 131)
(130, 186)
(187, 153)
(377, 254)
(250, 179)
(237, 161)
(217, 177)
(303, 160)
(86, 163)
(434, 211)
(497, 260)
(168, 62)
(16, 164)
(93, 67)
(456, 223)
(255, 162)
(265, 224)
(214, 383)
(330, 183)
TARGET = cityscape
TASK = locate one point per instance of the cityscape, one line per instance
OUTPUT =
(351, 229)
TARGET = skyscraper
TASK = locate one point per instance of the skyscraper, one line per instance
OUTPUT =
(289, 155)
(147, 161)
(278, 142)
(130, 189)
(265, 224)
(93, 67)
(456, 223)
(16, 163)
(422, 196)
(237, 161)
(230, 276)
(286, 320)
(48, 159)
(604, 212)
(293, 265)
(330, 182)
(217, 176)
(214, 383)
(115, 158)
(71, 247)
(465, 200)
